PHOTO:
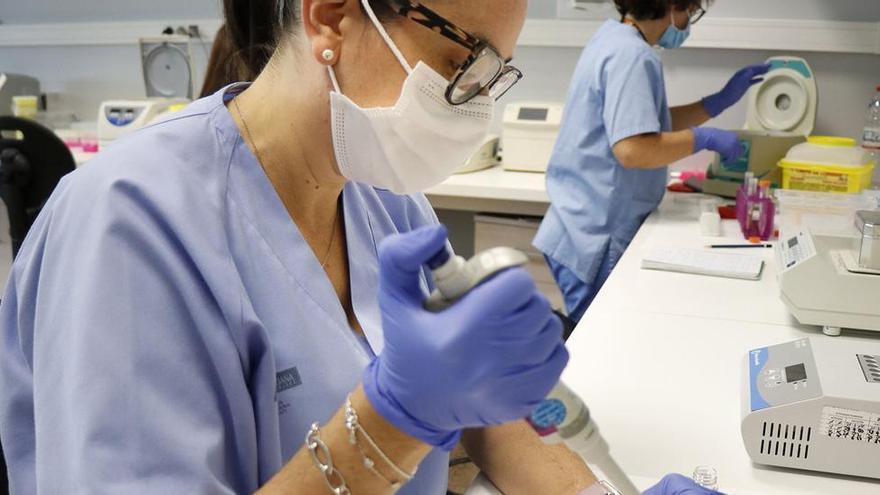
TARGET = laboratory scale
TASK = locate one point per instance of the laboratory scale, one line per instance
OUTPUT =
(833, 280)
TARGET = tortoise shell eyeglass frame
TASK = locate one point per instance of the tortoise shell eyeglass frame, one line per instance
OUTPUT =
(485, 68)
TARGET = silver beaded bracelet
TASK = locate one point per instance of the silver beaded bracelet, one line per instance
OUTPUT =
(324, 461)
(354, 427)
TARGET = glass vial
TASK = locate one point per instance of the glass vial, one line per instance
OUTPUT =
(707, 477)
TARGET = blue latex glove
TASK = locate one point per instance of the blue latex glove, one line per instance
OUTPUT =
(676, 484)
(735, 89)
(487, 360)
(724, 142)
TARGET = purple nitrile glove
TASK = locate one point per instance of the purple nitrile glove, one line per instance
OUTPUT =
(488, 359)
(735, 89)
(724, 142)
(676, 484)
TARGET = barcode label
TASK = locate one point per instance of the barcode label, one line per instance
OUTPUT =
(847, 424)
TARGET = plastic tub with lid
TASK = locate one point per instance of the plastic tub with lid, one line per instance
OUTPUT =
(827, 164)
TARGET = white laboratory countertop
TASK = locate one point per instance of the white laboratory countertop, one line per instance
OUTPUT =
(493, 190)
(675, 224)
(665, 392)
(658, 358)
(495, 183)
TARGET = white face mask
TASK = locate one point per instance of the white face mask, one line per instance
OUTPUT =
(414, 145)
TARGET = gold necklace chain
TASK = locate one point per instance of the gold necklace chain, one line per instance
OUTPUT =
(250, 138)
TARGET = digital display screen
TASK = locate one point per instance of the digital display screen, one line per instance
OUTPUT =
(792, 242)
(795, 373)
(538, 114)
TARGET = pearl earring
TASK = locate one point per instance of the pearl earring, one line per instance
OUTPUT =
(328, 55)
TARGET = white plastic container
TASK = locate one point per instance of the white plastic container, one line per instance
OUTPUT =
(822, 213)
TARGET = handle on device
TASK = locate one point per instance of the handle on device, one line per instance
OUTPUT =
(454, 277)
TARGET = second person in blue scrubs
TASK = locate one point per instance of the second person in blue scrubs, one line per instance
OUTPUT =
(608, 170)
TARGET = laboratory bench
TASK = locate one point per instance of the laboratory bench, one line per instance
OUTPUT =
(659, 358)
(493, 190)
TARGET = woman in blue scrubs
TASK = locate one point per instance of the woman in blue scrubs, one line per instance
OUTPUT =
(608, 170)
(231, 301)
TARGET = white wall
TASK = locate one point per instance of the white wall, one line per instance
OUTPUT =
(846, 82)
(79, 78)
(43, 11)
(840, 10)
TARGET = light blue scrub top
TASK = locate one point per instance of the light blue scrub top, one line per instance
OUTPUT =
(597, 205)
(167, 329)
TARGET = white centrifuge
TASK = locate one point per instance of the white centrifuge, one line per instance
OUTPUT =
(786, 101)
(781, 114)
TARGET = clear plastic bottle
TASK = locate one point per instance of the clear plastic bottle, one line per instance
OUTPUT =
(871, 135)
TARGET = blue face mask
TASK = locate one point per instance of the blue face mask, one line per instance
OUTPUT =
(674, 37)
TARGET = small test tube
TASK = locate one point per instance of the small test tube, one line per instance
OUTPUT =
(765, 189)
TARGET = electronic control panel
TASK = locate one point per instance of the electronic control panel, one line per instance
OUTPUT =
(122, 116)
(783, 374)
(795, 250)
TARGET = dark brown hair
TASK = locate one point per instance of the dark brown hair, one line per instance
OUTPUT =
(255, 27)
(225, 65)
(654, 9)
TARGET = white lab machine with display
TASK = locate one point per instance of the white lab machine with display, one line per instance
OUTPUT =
(167, 67)
(530, 132)
(117, 118)
(833, 280)
(814, 404)
(485, 157)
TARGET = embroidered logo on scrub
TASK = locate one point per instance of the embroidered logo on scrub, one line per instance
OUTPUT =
(287, 380)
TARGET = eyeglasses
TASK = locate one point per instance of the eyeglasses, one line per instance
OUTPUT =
(695, 15)
(484, 70)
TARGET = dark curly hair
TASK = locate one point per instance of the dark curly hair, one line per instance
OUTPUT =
(654, 9)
